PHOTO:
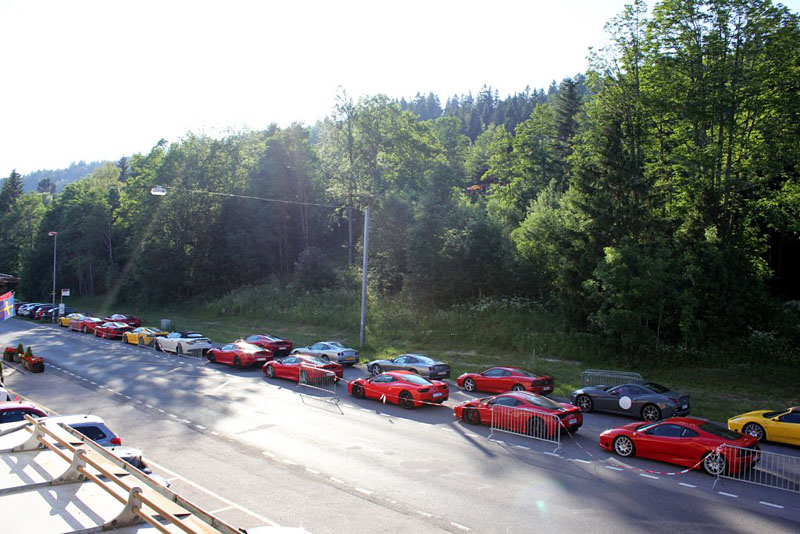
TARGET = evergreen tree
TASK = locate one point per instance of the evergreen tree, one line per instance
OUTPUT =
(10, 191)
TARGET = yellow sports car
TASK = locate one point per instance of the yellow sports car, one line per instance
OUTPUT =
(64, 321)
(144, 335)
(783, 425)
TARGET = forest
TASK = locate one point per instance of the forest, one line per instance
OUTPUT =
(652, 201)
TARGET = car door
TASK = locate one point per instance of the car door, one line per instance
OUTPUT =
(661, 442)
(289, 368)
(396, 364)
(375, 387)
(225, 354)
(491, 380)
(786, 428)
(608, 401)
(637, 396)
(412, 364)
(503, 415)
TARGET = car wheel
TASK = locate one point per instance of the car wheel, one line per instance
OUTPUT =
(651, 413)
(518, 387)
(158, 347)
(714, 464)
(325, 357)
(358, 391)
(141, 340)
(469, 384)
(179, 350)
(210, 357)
(623, 446)
(755, 430)
(537, 428)
(376, 370)
(83, 330)
(303, 377)
(270, 372)
(471, 416)
(237, 362)
(584, 402)
(406, 400)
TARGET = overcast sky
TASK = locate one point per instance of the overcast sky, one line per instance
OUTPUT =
(97, 80)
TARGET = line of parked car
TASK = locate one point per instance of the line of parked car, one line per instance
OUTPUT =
(413, 380)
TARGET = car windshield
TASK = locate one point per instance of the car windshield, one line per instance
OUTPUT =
(249, 347)
(416, 379)
(192, 334)
(719, 431)
(541, 402)
(658, 388)
(317, 361)
(523, 372)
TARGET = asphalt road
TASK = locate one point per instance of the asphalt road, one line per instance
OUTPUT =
(258, 452)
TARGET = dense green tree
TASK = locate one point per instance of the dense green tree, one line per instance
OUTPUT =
(10, 191)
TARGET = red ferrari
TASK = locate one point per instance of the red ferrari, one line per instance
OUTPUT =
(405, 388)
(303, 369)
(522, 412)
(122, 318)
(500, 379)
(278, 346)
(239, 354)
(111, 330)
(85, 325)
(685, 441)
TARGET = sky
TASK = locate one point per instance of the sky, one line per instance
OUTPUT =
(98, 80)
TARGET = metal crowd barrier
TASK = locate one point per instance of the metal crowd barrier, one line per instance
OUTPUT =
(762, 468)
(597, 377)
(321, 380)
(542, 426)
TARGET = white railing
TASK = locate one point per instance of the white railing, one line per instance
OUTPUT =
(542, 426)
(759, 467)
(597, 377)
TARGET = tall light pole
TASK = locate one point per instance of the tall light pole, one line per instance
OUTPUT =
(160, 191)
(55, 243)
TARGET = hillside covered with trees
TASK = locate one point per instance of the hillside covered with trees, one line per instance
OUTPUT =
(654, 200)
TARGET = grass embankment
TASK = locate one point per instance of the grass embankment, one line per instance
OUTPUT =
(472, 337)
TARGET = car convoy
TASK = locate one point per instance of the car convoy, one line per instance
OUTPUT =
(664, 432)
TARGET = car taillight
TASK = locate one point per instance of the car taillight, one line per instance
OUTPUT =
(674, 400)
(431, 368)
(116, 441)
(423, 390)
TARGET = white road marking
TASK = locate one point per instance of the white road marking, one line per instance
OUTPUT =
(728, 494)
(648, 476)
(522, 447)
(215, 495)
(770, 504)
(581, 461)
(687, 485)
(462, 527)
(220, 510)
(448, 430)
(200, 427)
(364, 491)
(312, 471)
(614, 468)
(426, 514)
(267, 453)
(550, 453)
(337, 480)
(288, 462)
(222, 385)
(127, 397)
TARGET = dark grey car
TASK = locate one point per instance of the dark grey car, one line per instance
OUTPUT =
(418, 363)
(643, 400)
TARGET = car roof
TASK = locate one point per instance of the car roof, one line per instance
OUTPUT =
(76, 419)
(8, 405)
(691, 421)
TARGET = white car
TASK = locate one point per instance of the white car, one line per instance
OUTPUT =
(332, 351)
(183, 342)
(4, 394)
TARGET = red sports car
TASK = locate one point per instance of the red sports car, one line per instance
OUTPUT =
(405, 388)
(278, 346)
(122, 318)
(500, 379)
(239, 354)
(85, 325)
(303, 369)
(111, 330)
(522, 412)
(685, 441)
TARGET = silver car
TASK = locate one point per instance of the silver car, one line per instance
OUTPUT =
(417, 363)
(643, 400)
(332, 351)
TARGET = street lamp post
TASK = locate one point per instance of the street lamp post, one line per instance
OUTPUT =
(160, 191)
(55, 243)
